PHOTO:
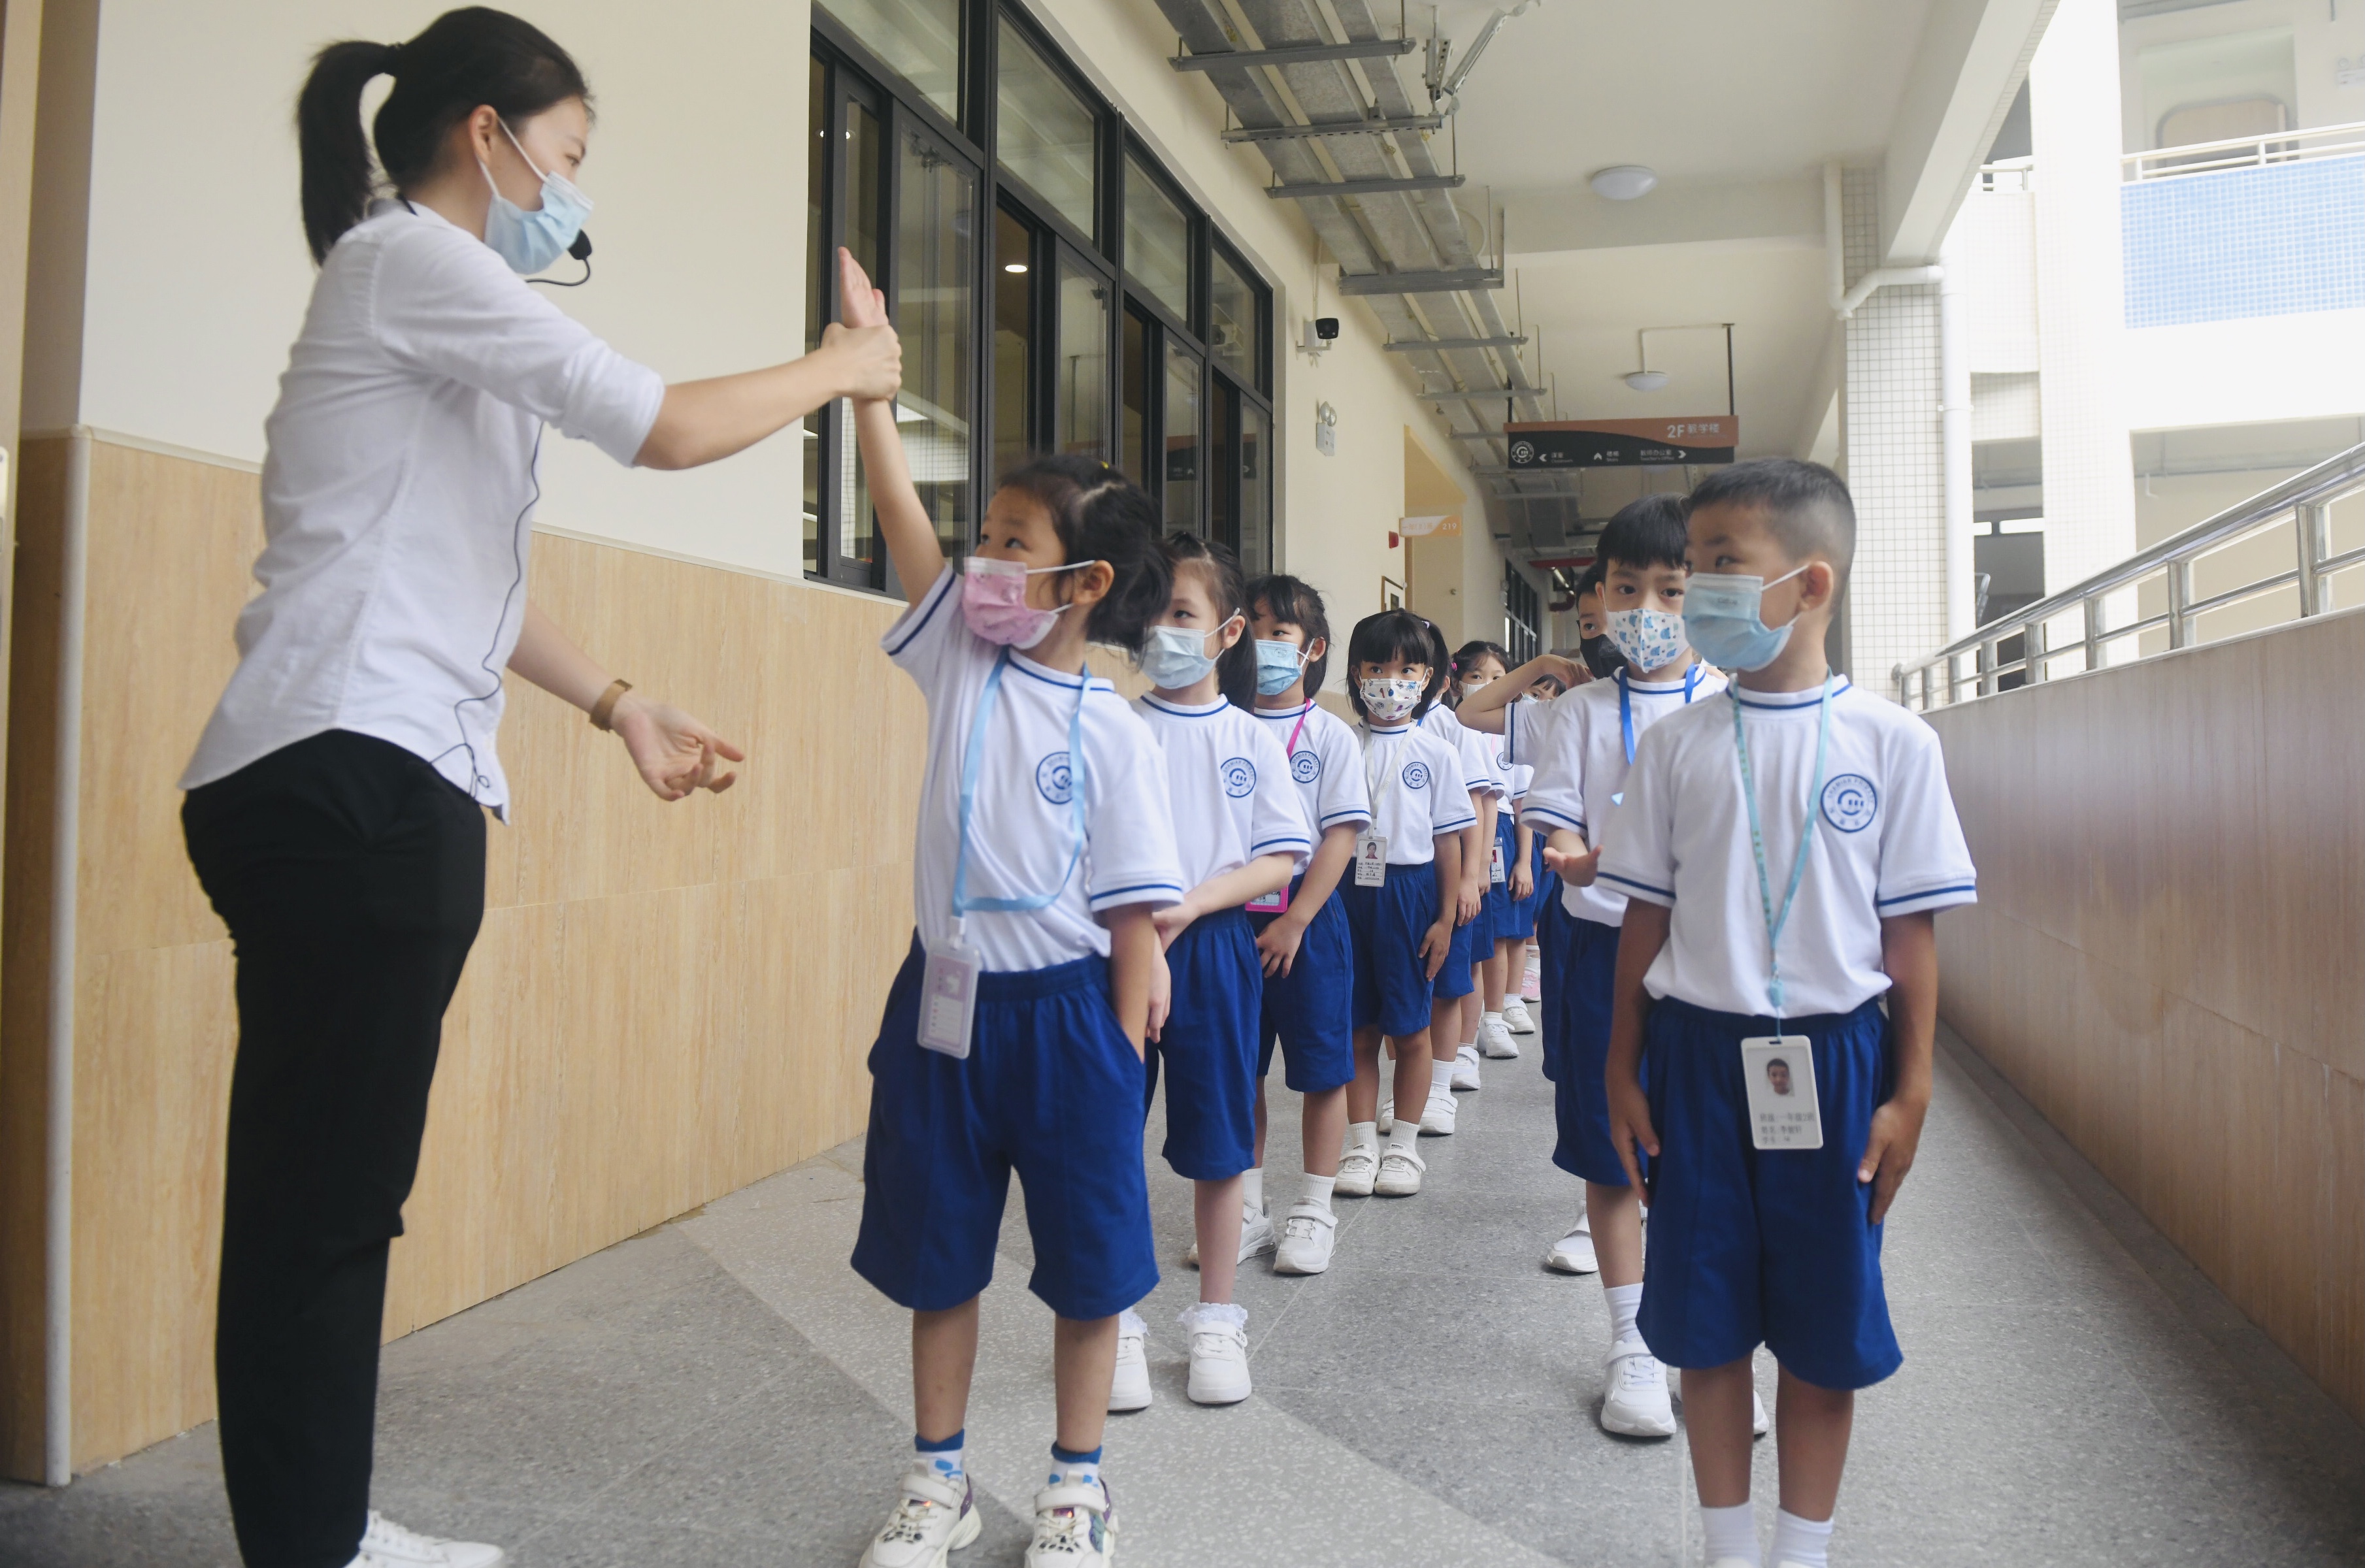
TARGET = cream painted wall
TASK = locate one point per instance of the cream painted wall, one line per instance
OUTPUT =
(198, 277)
(2245, 372)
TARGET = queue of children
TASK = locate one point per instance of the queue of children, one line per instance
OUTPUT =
(1731, 879)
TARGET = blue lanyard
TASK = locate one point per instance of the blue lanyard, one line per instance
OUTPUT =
(1626, 706)
(962, 903)
(1776, 921)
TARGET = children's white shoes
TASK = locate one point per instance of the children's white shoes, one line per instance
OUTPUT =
(1400, 1170)
(1572, 1253)
(1494, 1037)
(1436, 1117)
(1075, 1526)
(1129, 1389)
(1358, 1168)
(1257, 1237)
(1636, 1403)
(386, 1544)
(1517, 1019)
(932, 1518)
(1465, 1068)
(1306, 1236)
(1219, 1352)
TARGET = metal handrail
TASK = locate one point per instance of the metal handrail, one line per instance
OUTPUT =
(2307, 497)
(2246, 151)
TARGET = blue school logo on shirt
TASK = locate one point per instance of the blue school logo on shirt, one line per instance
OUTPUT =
(1306, 767)
(1416, 776)
(1052, 777)
(1240, 778)
(1849, 802)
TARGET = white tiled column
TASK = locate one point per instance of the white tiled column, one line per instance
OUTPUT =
(1895, 461)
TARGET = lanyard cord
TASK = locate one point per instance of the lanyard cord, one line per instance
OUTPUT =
(1291, 749)
(1626, 706)
(971, 758)
(1774, 921)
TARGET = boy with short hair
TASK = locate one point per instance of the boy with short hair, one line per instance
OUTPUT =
(1581, 779)
(1783, 848)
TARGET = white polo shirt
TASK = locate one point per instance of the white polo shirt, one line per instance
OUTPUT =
(1581, 771)
(1415, 783)
(398, 492)
(1886, 841)
(1022, 835)
(1229, 786)
(1474, 749)
(1325, 763)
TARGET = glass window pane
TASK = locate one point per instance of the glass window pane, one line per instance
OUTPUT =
(817, 259)
(866, 187)
(1082, 389)
(1183, 375)
(1157, 240)
(1013, 342)
(1222, 522)
(918, 39)
(1232, 322)
(935, 257)
(1256, 490)
(1043, 132)
(1134, 457)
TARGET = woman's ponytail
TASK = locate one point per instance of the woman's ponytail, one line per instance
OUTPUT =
(465, 60)
(339, 174)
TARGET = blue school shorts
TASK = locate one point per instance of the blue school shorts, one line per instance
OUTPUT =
(1580, 1103)
(1495, 908)
(1386, 925)
(1552, 962)
(1452, 981)
(1208, 1045)
(1311, 1010)
(1051, 1089)
(1775, 1247)
(1518, 922)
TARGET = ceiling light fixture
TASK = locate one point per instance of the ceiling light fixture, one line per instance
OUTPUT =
(1014, 266)
(1646, 380)
(1624, 182)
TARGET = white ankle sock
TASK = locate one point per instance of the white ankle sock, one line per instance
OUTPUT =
(1440, 1077)
(1404, 1133)
(1363, 1136)
(1252, 1189)
(1730, 1532)
(1801, 1543)
(1318, 1190)
(1495, 1017)
(1625, 1301)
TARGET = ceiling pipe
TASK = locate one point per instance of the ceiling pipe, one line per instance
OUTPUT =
(1845, 301)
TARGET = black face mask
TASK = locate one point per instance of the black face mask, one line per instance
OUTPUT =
(1602, 658)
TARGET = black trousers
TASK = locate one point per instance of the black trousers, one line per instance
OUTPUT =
(353, 879)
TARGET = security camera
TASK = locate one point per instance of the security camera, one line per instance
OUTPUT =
(1326, 326)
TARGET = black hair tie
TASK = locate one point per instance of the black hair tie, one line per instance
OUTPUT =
(393, 58)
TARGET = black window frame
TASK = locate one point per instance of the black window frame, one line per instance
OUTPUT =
(1522, 633)
(971, 138)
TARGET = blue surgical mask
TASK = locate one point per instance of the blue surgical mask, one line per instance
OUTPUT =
(1721, 621)
(1278, 664)
(529, 242)
(1177, 656)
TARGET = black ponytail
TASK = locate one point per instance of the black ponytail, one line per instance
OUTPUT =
(1101, 515)
(465, 59)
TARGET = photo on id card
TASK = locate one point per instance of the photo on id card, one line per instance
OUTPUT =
(1780, 1072)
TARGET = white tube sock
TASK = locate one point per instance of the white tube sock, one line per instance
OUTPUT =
(1625, 1301)
(1404, 1133)
(1730, 1534)
(1800, 1543)
(1364, 1135)
(1317, 1191)
(1252, 1189)
(1440, 1079)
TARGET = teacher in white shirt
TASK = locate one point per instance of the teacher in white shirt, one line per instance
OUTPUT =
(335, 806)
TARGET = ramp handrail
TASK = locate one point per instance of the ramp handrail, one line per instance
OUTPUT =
(2307, 497)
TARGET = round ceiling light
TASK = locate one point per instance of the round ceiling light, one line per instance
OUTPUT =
(1646, 380)
(1624, 182)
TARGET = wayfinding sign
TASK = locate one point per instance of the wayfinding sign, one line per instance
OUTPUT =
(1623, 444)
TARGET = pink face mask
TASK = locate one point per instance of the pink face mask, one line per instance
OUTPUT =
(994, 601)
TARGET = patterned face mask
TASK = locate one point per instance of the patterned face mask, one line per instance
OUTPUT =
(1650, 639)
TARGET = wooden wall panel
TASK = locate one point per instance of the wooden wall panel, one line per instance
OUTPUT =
(667, 1002)
(2168, 956)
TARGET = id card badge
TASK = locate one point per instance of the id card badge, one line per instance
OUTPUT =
(949, 998)
(1779, 1070)
(1273, 902)
(1494, 863)
(1370, 859)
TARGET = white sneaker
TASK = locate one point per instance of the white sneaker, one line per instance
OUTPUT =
(1219, 1352)
(1257, 1237)
(933, 1518)
(1357, 1170)
(1517, 1018)
(1399, 1175)
(1129, 1389)
(1436, 1118)
(1075, 1526)
(1494, 1037)
(1572, 1253)
(1636, 1403)
(1465, 1069)
(1387, 1117)
(385, 1543)
(1759, 1422)
(1306, 1236)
